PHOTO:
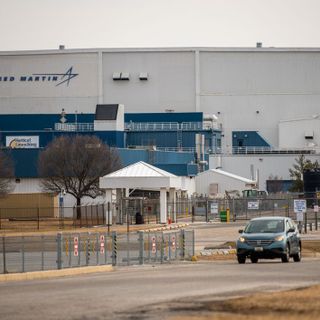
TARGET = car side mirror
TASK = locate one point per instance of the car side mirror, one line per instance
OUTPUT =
(291, 230)
(240, 231)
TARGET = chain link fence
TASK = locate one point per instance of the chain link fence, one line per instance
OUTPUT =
(141, 210)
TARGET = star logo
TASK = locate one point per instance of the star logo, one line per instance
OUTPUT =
(63, 77)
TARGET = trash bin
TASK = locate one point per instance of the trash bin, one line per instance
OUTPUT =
(139, 218)
(223, 216)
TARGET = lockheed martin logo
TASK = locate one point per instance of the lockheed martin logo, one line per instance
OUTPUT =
(58, 78)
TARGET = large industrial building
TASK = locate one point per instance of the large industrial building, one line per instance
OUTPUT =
(244, 109)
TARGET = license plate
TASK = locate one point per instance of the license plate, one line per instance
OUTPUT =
(258, 249)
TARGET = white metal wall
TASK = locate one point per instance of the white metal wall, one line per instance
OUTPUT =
(203, 181)
(170, 83)
(292, 134)
(279, 85)
(267, 165)
(81, 93)
(248, 89)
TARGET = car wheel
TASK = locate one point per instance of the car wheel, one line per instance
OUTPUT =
(297, 256)
(254, 259)
(286, 255)
(241, 259)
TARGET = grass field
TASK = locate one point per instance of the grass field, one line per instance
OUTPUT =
(299, 304)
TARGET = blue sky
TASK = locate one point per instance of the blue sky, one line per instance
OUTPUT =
(45, 24)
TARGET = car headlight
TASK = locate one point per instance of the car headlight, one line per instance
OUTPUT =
(279, 238)
(242, 239)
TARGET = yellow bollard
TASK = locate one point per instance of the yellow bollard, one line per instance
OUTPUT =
(228, 215)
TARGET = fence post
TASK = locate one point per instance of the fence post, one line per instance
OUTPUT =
(88, 250)
(91, 215)
(207, 209)
(193, 243)
(162, 249)
(4, 254)
(38, 214)
(246, 201)
(42, 252)
(305, 223)
(114, 248)
(103, 214)
(193, 212)
(183, 242)
(97, 213)
(108, 206)
(86, 215)
(59, 251)
(141, 247)
(22, 253)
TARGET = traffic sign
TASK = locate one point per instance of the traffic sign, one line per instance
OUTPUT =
(75, 246)
(173, 243)
(253, 205)
(102, 244)
(300, 205)
(153, 245)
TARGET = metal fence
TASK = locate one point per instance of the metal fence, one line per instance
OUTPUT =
(141, 210)
(37, 253)
(239, 208)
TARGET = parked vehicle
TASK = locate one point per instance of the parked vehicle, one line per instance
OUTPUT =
(269, 238)
(254, 193)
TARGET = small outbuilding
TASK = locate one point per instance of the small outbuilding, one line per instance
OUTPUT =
(217, 181)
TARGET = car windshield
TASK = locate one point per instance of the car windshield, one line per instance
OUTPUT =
(265, 226)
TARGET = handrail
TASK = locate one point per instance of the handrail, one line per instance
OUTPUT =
(264, 150)
(72, 126)
(164, 126)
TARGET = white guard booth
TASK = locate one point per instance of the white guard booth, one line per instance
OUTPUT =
(141, 175)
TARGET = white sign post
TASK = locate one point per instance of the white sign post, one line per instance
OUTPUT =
(253, 205)
(214, 207)
(300, 207)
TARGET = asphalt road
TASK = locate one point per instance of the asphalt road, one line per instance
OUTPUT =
(147, 292)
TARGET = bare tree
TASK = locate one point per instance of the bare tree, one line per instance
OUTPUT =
(75, 164)
(6, 173)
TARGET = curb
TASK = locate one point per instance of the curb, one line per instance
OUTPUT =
(53, 273)
(166, 228)
(218, 252)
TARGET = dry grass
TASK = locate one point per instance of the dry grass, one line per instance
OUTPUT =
(300, 304)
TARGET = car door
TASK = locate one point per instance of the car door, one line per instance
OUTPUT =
(292, 236)
(295, 236)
